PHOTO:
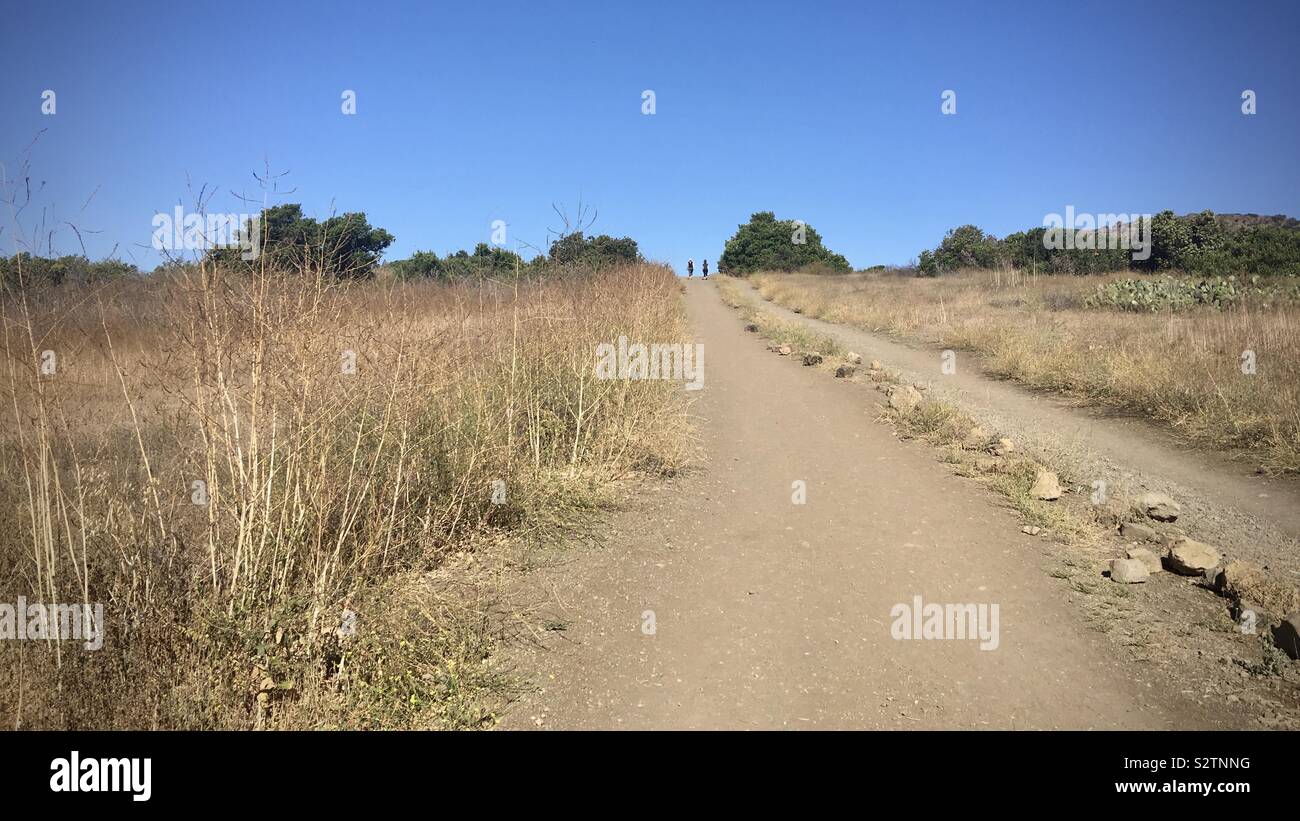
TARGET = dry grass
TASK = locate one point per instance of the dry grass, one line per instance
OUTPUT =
(323, 490)
(798, 336)
(1182, 369)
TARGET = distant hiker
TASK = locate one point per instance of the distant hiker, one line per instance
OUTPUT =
(690, 267)
(706, 269)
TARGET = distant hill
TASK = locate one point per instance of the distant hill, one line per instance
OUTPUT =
(1251, 220)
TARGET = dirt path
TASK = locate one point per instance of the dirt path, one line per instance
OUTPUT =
(769, 614)
(1253, 516)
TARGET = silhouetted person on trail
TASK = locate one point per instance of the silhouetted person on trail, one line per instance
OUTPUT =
(706, 269)
(690, 268)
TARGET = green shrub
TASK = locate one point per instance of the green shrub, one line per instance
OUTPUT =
(73, 269)
(1169, 293)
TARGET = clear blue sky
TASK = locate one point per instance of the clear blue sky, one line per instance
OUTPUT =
(826, 112)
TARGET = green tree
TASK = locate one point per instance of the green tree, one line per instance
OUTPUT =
(963, 247)
(346, 246)
(484, 261)
(1171, 240)
(577, 250)
(768, 244)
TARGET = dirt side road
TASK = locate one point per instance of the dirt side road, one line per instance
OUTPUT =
(770, 614)
(1252, 516)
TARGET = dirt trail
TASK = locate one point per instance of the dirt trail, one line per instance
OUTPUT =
(770, 614)
(1253, 516)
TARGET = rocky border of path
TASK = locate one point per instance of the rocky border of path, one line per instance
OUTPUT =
(1129, 559)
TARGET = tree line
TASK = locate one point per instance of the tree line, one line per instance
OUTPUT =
(24, 267)
(575, 250)
(344, 247)
(1204, 243)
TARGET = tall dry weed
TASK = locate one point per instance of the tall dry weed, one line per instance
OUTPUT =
(234, 464)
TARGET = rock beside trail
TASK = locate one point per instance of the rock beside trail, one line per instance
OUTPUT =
(904, 399)
(876, 366)
(1139, 532)
(785, 350)
(844, 371)
(1147, 557)
(1245, 581)
(854, 359)
(1160, 507)
(1031, 530)
(1129, 571)
(1287, 635)
(1003, 446)
(1237, 578)
(877, 376)
(1047, 487)
(812, 358)
(1189, 557)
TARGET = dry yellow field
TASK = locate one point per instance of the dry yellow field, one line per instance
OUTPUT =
(232, 465)
(1182, 368)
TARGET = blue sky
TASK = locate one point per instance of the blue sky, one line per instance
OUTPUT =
(473, 112)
